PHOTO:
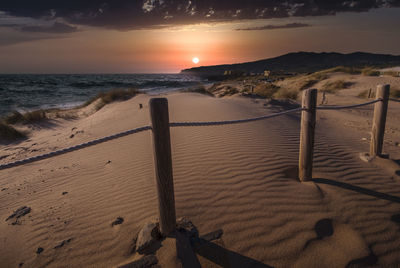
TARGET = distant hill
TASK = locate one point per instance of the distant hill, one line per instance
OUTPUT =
(301, 62)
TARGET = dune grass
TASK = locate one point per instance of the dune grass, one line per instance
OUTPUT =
(266, 90)
(332, 87)
(392, 73)
(229, 91)
(286, 93)
(111, 96)
(9, 133)
(394, 93)
(369, 71)
(312, 79)
(26, 118)
(343, 69)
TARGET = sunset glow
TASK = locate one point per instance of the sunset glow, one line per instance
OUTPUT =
(195, 60)
(32, 44)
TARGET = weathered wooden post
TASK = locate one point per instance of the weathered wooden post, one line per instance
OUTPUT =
(163, 164)
(308, 116)
(379, 121)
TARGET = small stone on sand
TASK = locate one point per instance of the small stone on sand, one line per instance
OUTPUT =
(148, 236)
(39, 250)
(19, 213)
(61, 244)
(118, 221)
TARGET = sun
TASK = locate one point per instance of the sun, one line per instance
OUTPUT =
(195, 60)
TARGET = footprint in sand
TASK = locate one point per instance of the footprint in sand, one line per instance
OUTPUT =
(335, 245)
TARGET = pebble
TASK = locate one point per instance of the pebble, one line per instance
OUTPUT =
(147, 237)
(118, 221)
(22, 211)
(63, 243)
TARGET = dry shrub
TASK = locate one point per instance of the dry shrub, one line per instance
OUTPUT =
(343, 69)
(368, 71)
(334, 86)
(392, 73)
(228, 91)
(26, 118)
(34, 116)
(266, 90)
(8, 133)
(14, 117)
(308, 83)
(286, 93)
(111, 96)
(394, 93)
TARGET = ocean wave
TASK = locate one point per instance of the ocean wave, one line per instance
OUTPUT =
(35, 91)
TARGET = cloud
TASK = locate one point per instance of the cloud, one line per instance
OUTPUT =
(273, 27)
(139, 14)
(56, 27)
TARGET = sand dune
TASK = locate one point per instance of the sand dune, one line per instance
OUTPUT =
(239, 178)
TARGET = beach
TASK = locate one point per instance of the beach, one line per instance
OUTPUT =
(240, 178)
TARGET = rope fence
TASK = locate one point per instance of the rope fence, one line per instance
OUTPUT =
(73, 148)
(160, 127)
(231, 122)
(348, 106)
(176, 124)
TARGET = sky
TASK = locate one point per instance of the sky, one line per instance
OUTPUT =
(163, 36)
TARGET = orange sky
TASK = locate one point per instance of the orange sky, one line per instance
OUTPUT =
(97, 50)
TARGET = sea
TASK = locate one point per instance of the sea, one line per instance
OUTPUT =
(27, 92)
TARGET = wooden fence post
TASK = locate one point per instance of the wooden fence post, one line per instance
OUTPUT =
(379, 121)
(308, 116)
(163, 164)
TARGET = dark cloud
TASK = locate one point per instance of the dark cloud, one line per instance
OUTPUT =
(137, 14)
(56, 27)
(273, 27)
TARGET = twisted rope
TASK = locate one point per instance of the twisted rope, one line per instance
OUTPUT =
(230, 122)
(73, 148)
(347, 106)
(395, 100)
(175, 124)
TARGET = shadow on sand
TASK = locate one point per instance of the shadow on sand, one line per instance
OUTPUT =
(223, 257)
(357, 189)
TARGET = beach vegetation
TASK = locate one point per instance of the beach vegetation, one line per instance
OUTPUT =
(286, 93)
(228, 91)
(392, 73)
(394, 93)
(266, 90)
(343, 69)
(332, 87)
(369, 71)
(310, 80)
(26, 118)
(9, 133)
(104, 98)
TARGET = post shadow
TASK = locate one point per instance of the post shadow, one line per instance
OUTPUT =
(188, 246)
(357, 189)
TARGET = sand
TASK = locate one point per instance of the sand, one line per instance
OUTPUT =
(239, 178)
